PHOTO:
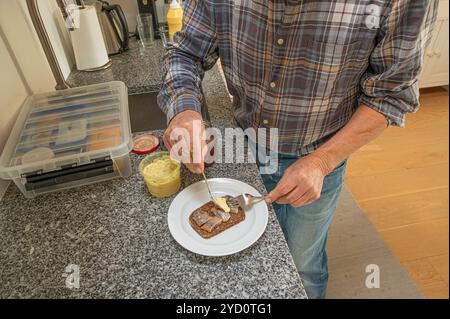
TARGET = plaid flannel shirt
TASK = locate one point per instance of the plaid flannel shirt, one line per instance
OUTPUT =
(303, 67)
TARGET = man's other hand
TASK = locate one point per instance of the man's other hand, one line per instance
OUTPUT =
(301, 183)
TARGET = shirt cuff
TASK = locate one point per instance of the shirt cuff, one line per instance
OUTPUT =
(385, 106)
(183, 103)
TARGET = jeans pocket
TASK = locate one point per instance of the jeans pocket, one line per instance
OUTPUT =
(340, 167)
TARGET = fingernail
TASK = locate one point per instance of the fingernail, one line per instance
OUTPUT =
(198, 170)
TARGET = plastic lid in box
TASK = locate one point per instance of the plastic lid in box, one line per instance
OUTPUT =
(68, 128)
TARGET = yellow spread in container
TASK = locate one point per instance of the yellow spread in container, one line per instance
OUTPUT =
(161, 174)
(222, 203)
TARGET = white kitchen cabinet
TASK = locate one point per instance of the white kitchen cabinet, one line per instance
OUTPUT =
(436, 70)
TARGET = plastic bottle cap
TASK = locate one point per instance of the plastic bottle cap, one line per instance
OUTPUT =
(175, 5)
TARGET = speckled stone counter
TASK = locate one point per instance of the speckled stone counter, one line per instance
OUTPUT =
(118, 236)
(139, 68)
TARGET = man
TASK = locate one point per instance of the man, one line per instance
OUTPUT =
(330, 75)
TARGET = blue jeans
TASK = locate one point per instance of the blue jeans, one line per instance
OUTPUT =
(306, 228)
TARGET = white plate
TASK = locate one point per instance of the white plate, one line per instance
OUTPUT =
(230, 241)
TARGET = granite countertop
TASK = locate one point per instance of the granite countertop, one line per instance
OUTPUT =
(117, 235)
(139, 68)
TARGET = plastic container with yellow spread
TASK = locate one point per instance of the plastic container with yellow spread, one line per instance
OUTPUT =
(161, 173)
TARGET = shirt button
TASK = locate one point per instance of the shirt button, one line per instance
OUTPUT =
(265, 122)
(280, 41)
(273, 85)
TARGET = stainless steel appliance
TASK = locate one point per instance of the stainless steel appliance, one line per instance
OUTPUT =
(113, 24)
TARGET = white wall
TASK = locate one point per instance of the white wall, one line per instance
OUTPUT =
(13, 92)
(25, 44)
(19, 31)
(23, 65)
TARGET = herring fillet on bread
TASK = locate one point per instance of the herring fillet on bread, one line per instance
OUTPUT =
(205, 220)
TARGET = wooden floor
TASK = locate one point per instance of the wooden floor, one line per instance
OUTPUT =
(401, 181)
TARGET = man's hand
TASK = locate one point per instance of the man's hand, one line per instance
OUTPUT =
(190, 122)
(301, 183)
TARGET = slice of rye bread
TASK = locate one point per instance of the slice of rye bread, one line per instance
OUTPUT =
(235, 219)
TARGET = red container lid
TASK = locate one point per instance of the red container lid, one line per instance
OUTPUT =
(145, 143)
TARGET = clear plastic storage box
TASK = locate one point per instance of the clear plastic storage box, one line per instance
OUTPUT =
(69, 138)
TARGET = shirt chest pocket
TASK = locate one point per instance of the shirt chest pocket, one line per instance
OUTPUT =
(333, 67)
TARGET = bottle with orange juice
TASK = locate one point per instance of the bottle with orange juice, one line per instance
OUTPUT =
(174, 18)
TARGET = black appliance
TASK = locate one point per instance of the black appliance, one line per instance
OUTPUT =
(149, 6)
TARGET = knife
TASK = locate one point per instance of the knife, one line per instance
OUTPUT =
(207, 185)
